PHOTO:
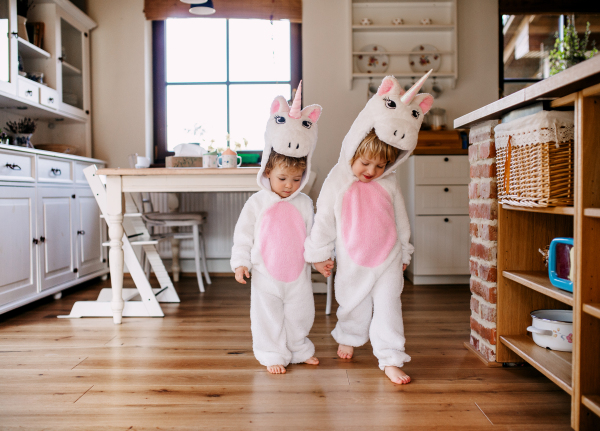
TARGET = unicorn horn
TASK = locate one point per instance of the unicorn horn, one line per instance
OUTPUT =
(297, 105)
(410, 94)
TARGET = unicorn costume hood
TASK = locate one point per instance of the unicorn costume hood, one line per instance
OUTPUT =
(269, 240)
(291, 132)
(366, 224)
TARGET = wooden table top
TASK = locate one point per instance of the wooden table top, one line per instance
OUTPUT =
(178, 171)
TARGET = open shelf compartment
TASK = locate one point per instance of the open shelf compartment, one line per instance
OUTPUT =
(539, 281)
(557, 366)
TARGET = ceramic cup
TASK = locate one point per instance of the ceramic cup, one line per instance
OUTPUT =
(229, 161)
(209, 161)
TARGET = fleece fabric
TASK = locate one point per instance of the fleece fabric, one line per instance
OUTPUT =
(366, 228)
(269, 240)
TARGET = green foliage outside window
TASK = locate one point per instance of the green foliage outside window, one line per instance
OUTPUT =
(571, 50)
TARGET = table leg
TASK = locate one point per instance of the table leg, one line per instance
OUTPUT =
(173, 204)
(115, 207)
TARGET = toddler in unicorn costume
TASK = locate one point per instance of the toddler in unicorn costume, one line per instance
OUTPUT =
(361, 213)
(269, 240)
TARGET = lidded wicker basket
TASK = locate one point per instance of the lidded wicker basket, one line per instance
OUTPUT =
(534, 160)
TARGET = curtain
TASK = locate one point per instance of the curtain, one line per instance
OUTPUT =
(258, 9)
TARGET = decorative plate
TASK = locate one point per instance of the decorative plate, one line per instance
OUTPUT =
(372, 63)
(424, 62)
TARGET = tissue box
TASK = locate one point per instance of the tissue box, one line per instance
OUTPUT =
(183, 162)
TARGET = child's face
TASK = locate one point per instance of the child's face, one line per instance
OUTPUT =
(366, 169)
(284, 181)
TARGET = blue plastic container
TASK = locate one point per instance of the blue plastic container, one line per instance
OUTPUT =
(560, 254)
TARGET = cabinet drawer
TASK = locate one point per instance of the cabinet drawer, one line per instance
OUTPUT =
(441, 245)
(55, 170)
(449, 199)
(442, 170)
(49, 97)
(16, 166)
(79, 175)
(28, 90)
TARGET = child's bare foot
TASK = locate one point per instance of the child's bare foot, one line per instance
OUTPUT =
(276, 369)
(396, 375)
(312, 361)
(345, 352)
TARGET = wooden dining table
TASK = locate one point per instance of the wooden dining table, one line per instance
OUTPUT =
(120, 181)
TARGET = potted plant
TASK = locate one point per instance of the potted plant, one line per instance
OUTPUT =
(571, 50)
(21, 131)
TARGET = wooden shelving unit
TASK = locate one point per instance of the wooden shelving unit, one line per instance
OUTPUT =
(524, 285)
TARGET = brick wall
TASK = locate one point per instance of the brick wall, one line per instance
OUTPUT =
(483, 211)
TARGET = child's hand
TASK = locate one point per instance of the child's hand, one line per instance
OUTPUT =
(240, 271)
(404, 267)
(325, 267)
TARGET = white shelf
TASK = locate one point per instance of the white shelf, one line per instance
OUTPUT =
(402, 75)
(69, 70)
(29, 50)
(380, 28)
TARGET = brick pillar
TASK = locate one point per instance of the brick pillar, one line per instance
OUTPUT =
(483, 211)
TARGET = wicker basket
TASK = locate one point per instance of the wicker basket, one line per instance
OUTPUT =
(534, 160)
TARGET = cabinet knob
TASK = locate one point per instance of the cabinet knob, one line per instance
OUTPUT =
(103, 260)
(42, 239)
(87, 112)
(57, 172)
(446, 189)
(75, 270)
(446, 220)
(446, 159)
(80, 232)
(35, 241)
(73, 196)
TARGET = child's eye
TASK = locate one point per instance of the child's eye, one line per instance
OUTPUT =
(381, 167)
(281, 179)
(296, 181)
(365, 164)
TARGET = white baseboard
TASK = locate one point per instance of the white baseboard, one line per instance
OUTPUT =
(438, 279)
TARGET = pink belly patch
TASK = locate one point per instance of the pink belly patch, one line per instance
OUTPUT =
(368, 223)
(282, 235)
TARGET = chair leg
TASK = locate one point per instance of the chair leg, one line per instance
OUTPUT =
(203, 249)
(329, 294)
(197, 256)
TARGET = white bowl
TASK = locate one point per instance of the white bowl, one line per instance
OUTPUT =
(552, 329)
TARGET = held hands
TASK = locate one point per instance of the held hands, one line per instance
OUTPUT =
(240, 271)
(404, 267)
(324, 267)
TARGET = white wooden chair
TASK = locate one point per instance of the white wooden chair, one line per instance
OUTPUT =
(316, 285)
(135, 229)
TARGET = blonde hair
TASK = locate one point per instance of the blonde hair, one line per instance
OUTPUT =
(372, 147)
(276, 159)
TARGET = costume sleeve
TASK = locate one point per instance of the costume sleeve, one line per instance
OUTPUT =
(321, 241)
(243, 237)
(404, 225)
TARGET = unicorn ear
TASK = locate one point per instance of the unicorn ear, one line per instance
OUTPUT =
(389, 85)
(313, 111)
(279, 105)
(425, 101)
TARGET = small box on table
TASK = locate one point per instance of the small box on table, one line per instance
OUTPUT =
(183, 162)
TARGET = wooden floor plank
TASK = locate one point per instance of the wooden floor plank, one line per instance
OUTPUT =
(194, 369)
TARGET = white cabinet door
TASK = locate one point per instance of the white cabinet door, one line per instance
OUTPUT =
(56, 230)
(8, 46)
(89, 233)
(17, 250)
(441, 245)
(442, 170)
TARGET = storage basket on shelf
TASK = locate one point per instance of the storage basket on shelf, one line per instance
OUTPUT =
(534, 160)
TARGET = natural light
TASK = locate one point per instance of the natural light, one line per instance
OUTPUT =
(197, 95)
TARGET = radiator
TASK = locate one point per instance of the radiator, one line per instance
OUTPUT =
(223, 210)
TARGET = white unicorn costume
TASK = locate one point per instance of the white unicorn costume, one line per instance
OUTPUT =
(269, 240)
(367, 225)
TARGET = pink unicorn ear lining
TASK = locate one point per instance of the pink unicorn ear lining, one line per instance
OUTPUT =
(314, 112)
(388, 84)
(279, 104)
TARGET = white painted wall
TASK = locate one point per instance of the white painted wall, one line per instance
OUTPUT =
(324, 61)
(121, 80)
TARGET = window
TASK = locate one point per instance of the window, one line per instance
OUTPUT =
(215, 79)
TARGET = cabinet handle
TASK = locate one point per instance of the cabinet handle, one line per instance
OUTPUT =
(75, 270)
(35, 241)
(57, 172)
(446, 159)
(50, 99)
(14, 34)
(80, 232)
(14, 167)
(29, 93)
(61, 59)
(42, 239)
(446, 220)
(446, 189)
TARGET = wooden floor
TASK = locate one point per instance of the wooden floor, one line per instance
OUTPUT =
(194, 369)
